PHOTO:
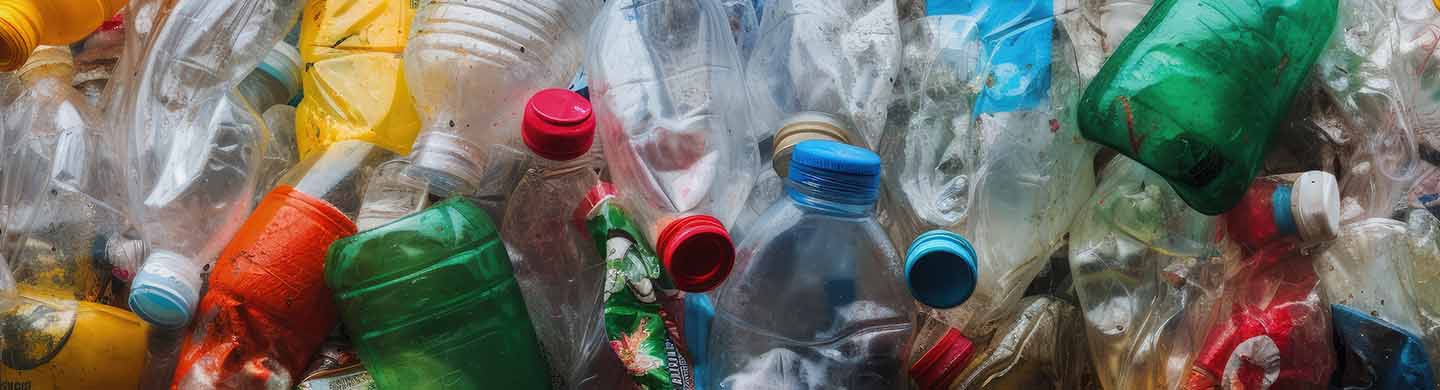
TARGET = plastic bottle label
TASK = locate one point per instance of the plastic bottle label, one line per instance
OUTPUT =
(1017, 35)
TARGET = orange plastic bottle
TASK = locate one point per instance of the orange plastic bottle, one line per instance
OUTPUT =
(26, 24)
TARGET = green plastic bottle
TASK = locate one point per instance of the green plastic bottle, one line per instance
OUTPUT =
(1195, 91)
(430, 303)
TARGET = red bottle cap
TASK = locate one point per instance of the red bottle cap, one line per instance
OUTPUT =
(943, 362)
(697, 252)
(558, 124)
(114, 23)
(597, 194)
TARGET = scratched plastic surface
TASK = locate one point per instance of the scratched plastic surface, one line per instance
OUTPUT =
(267, 310)
(1009, 180)
(666, 81)
(430, 302)
(471, 66)
(1196, 89)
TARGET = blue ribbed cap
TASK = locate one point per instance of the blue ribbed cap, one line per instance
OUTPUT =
(941, 269)
(835, 172)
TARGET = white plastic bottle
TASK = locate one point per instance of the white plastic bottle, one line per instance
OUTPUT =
(471, 66)
(666, 81)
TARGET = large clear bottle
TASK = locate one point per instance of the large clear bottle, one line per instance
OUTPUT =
(981, 140)
(668, 89)
(63, 186)
(817, 301)
(561, 279)
(1141, 261)
(471, 66)
(819, 70)
(195, 145)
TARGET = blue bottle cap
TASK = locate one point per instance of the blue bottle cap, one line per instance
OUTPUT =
(166, 290)
(941, 269)
(835, 172)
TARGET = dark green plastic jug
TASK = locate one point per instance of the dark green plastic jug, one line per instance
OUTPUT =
(430, 303)
(1195, 91)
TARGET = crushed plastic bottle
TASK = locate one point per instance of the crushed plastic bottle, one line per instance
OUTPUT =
(1144, 268)
(820, 70)
(1037, 351)
(561, 278)
(975, 146)
(57, 343)
(62, 187)
(355, 75)
(471, 69)
(267, 302)
(26, 24)
(666, 81)
(193, 148)
(817, 301)
(96, 58)
(1167, 98)
(1374, 354)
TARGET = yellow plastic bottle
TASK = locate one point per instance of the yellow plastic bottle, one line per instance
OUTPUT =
(26, 24)
(354, 83)
(66, 344)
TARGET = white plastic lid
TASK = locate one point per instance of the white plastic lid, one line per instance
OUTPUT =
(166, 290)
(283, 63)
(1315, 201)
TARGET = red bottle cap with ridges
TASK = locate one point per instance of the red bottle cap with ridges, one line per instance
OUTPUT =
(558, 124)
(943, 362)
(114, 23)
(597, 194)
(697, 252)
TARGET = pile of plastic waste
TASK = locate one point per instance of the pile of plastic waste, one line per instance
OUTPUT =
(719, 194)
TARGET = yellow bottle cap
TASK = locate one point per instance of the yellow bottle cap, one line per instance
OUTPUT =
(19, 33)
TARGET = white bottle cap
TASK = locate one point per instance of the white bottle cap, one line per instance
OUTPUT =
(1315, 202)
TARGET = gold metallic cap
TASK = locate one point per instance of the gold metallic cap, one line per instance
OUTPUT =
(46, 56)
(803, 127)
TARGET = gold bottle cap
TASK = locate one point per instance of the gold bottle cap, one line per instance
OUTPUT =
(803, 127)
(19, 33)
(47, 56)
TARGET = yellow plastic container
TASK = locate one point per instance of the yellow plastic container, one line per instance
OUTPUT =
(65, 344)
(26, 24)
(354, 81)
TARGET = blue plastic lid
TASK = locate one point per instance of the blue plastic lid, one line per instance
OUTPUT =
(166, 290)
(1280, 210)
(835, 172)
(941, 269)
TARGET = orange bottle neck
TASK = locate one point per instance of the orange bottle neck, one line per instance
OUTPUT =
(20, 26)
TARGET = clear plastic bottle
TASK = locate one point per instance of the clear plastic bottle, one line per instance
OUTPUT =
(1037, 351)
(25, 24)
(817, 301)
(1362, 270)
(1142, 262)
(833, 57)
(63, 186)
(666, 80)
(97, 56)
(189, 216)
(976, 147)
(561, 279)
(819, 69)
(193, 149)
(276, 81)
(471, 67)
(394, 191)
(280, 153)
